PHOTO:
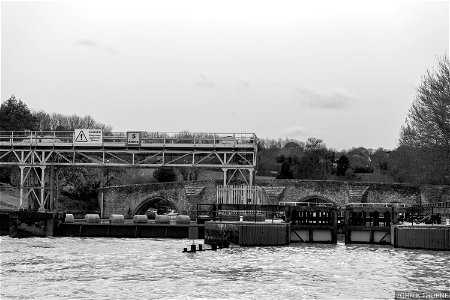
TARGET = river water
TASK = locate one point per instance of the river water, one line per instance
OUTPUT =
(106, 268)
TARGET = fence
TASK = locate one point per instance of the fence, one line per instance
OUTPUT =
(240, 194)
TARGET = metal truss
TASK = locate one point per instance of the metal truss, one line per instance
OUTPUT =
(36, 154)
(131, 158)
(37, 185)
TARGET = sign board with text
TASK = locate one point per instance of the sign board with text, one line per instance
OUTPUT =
(88, 137)
(134, 138)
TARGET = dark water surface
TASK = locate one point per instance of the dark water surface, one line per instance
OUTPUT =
(105, 268)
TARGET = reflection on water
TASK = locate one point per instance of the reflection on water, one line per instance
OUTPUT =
(101, 268)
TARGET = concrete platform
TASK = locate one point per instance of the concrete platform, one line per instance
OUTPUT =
(130, 230)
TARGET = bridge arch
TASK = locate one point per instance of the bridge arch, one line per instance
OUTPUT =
(318, 199)
(153, 202)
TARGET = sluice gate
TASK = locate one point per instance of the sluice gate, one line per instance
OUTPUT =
(313, 224)
(370, 223)
(363, 223)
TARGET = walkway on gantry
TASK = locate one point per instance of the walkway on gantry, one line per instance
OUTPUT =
(34, 151)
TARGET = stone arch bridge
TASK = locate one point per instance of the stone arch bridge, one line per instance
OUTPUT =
(184, 196)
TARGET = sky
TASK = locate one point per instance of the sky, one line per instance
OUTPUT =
(342, 71)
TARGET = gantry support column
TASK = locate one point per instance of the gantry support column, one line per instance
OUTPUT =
(52, 194)
(225, 170)
(42, 196)
(21, 187)
(251, 174)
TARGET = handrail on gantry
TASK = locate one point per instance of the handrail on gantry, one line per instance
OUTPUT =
(373, 204)
(305, 203)
(66, 138)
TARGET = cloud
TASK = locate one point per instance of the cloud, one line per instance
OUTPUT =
(331, 98)
(243, 83)
(205, 82)
(93, 44)
(296, 130)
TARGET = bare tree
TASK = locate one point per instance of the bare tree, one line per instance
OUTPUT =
(89, 122)
(314, 144)
(75, 122)
(59, 122)
(427, 127)
(43, 121)
(428, 122)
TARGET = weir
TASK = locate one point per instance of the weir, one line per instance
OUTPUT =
(313, 224)
(257, 225)
(256, 214)
(370, 222)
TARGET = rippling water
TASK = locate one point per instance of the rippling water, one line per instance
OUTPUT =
(105, 268)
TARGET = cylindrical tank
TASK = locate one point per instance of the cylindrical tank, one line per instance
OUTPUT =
(69, 218)
(162, 219)
(92, 218)
(116, 219)
(140, 219)
(183, 219)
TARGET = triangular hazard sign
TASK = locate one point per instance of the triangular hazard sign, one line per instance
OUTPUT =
(81, 137)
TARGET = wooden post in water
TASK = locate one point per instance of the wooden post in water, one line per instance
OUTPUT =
(346, 225)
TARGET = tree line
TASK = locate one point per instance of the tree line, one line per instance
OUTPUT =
(422, 155)
(16, 116)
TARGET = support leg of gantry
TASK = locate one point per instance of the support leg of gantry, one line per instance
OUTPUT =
(42, 196)
(225, 170)
(251, 174)
(52, 194)
(21, 187)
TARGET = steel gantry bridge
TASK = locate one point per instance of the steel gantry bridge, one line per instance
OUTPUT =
(38, 153)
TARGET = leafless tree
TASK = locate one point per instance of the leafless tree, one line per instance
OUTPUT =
(427, 127)
(43, 121)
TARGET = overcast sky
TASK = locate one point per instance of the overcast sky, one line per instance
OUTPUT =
(343, 71)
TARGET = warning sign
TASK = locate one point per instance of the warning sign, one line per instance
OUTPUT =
(133, 138)
(88, 137)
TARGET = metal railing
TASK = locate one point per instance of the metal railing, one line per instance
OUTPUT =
(292, 203)
(385, 204)
(233, 212)
(442, 204)
(240, 194)
(66, 138)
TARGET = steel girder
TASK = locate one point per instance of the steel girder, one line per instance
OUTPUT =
(128, 158)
